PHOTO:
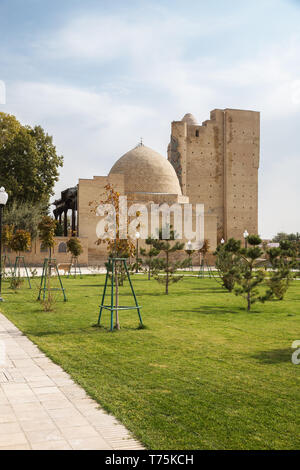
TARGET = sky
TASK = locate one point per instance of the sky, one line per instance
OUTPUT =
(98, 75)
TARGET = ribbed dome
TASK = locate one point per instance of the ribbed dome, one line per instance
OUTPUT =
(190, 120)
(146, 171)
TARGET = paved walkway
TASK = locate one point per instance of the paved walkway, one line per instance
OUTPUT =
(42, 408)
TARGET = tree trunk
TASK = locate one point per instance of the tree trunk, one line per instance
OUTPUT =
(249, 292)
(19, 264)
(117, 325)
(248, 301)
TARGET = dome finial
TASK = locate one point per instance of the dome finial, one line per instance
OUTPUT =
(141, 143)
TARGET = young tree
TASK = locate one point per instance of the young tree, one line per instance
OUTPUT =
(117, 247)
(282, 260)
(150, 258)
(168, 247)
(74, 247)
(47, 232)
(249, 276)
(228, 262)
(28, 161)
(20, 241)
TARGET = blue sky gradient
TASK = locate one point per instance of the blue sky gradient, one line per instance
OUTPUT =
(98, 75)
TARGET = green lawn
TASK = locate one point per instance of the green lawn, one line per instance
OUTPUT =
(204, 374)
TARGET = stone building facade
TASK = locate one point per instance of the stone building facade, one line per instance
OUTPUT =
(215, 164)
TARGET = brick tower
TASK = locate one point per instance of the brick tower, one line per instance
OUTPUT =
(217, 165)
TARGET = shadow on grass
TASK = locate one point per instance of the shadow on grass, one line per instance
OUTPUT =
(88, 285)
(275, 356)
(211, 310)
(210, 290)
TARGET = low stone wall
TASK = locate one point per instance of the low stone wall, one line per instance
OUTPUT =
(195, 257)
(36, 256)
(98, 256)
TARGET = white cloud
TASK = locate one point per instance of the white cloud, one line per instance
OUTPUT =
(107, 37)
(90, 129)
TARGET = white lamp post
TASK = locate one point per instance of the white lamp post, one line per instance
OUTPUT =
(189, 249)
(189, 245)
(137, 236)
(3, 201)
(246, 235)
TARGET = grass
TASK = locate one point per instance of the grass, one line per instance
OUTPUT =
(204, 374)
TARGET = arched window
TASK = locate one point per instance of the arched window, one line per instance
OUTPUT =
(62, 247)
(197, 133)
(43, 250)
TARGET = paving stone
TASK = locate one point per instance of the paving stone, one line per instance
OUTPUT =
(52, 445)
(7, 414)
(45, 424)
(43, 435)
(10, 428)
(46, 390)
(12, 439)
(58, 404)
(71, 421)
(17, 447)
(78, 432)
(94, 443)
(38, 382)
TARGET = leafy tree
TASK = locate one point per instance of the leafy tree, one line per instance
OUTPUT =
(47, 232)
(168, 247)
(24, 216)
(117, 247)
(282, 261)
(28, 161)
(249, 277)
(7, 234)
(228, 262)
(74, 247)
(20, 241)
(282, 236)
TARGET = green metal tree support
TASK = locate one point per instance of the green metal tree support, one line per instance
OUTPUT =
(74, 267)
(6, 262)
(112, 307)
(209, 271)
(18, 266)
(50, 263)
